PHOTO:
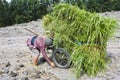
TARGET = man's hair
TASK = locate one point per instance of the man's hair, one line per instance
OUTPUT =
(48, 42)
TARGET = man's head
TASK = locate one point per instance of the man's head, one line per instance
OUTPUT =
(48, 42)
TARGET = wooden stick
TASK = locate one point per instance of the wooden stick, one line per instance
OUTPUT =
(37, 34)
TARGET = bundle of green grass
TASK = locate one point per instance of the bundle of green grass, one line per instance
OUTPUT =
(83, 34)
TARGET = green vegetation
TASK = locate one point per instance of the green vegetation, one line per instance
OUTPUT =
(83, 34)
(4, 12)
(95, 5)
(103, 5)
(27, 10)
(20, 11)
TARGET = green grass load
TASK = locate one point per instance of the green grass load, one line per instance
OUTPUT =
(83, 34)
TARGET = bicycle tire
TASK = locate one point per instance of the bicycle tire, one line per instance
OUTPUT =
(63, 60)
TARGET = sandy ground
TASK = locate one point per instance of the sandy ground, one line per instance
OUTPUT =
(16, 60)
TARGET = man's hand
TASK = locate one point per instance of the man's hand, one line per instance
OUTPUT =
(52, 64)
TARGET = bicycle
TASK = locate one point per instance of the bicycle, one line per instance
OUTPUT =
(60, 57)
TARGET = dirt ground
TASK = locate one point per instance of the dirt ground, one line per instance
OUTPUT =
(16, 60)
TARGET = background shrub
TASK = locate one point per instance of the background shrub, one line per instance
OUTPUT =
(19, 11)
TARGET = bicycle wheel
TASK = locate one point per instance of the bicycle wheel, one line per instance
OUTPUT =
(61, 58)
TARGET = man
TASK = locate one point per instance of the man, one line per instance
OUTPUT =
(37, 45)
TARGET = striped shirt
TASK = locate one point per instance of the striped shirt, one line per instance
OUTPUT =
(38, 44)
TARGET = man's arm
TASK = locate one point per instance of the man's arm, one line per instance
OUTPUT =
(46, 57)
